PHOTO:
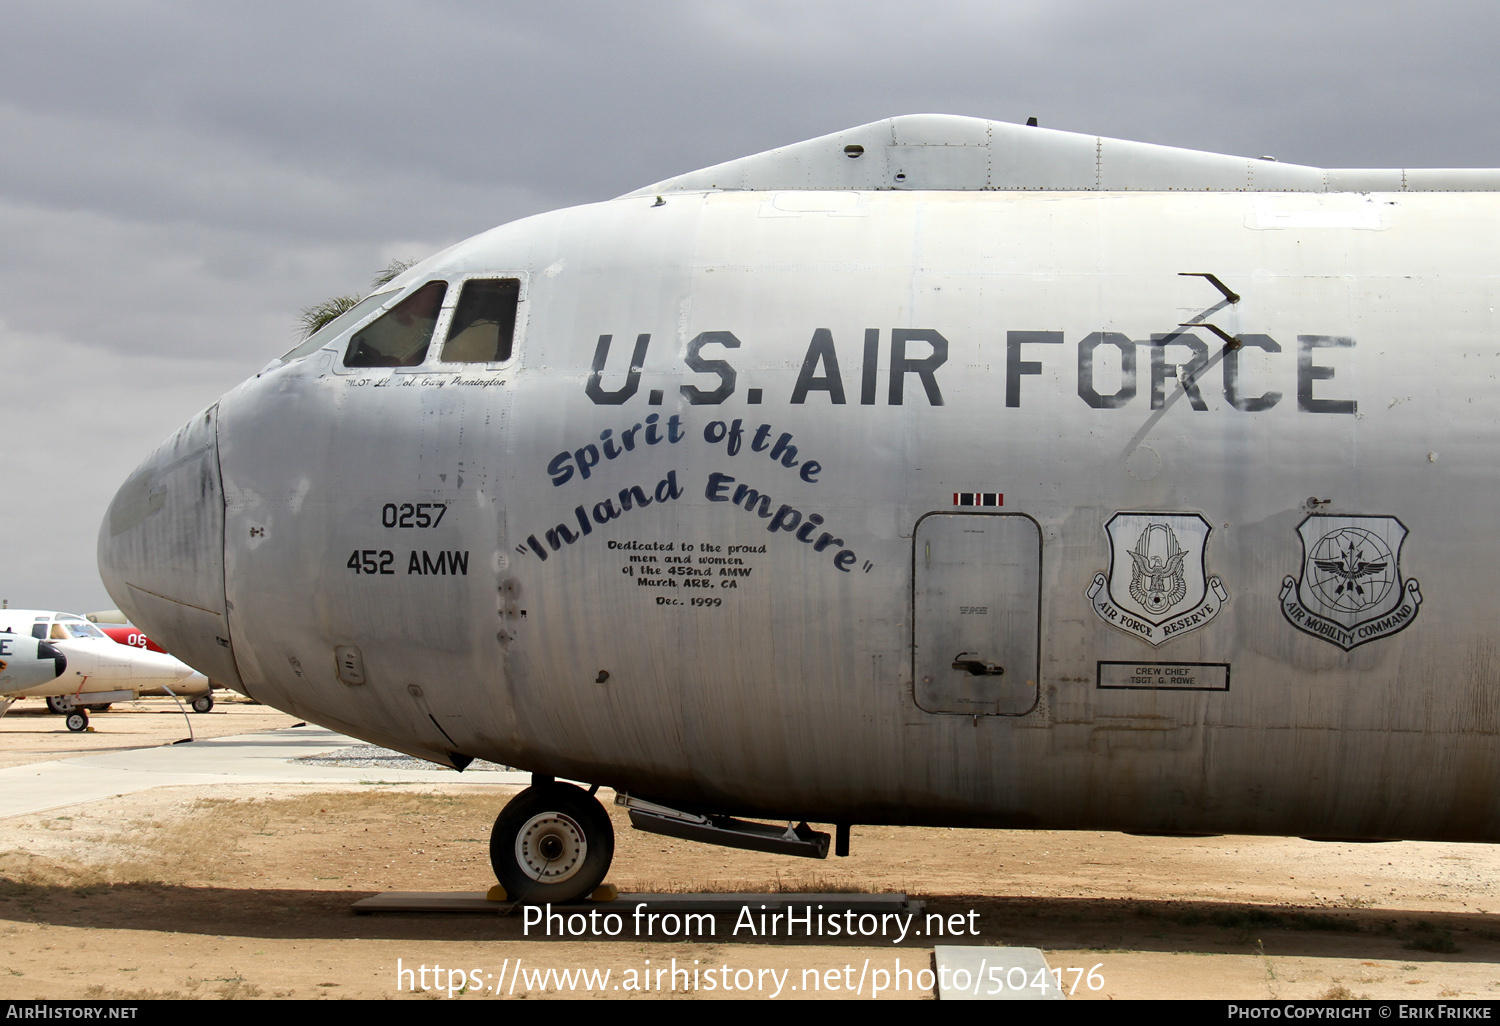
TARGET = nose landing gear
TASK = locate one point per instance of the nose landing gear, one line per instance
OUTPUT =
(551, 843)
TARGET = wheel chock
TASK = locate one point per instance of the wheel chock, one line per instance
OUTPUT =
(496, 893)
(605, 892)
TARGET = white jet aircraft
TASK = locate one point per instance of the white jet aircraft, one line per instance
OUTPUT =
(939, 471)
(91, 670)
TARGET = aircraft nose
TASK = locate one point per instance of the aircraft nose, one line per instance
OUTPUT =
(161, 549)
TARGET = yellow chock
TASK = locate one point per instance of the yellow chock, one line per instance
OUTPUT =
(88, 730)
(496, 893)
(605, 892)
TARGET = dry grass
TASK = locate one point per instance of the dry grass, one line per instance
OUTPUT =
(228, 989)
(96, 992)
(215, 835)
(141, 850)
(22, 870)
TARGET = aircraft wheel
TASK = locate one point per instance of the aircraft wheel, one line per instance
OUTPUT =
(552, 843)
(78, 720)
(203, 703)
(59, 704)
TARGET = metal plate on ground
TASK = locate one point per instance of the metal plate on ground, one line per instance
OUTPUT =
(429, 901)
(475, 901)
(709, 902)
(994, 974)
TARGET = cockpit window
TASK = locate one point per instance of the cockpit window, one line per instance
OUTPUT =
(484, 325)
(328, 332)
(400, 337)
(65, 629)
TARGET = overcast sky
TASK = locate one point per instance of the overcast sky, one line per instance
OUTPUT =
(178, 179)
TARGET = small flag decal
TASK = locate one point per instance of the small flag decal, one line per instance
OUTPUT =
(978, 499)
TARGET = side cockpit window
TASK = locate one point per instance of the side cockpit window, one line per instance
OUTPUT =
(400, 337)
(484, 324)
(328, 332)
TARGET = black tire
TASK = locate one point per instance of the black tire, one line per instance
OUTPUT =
(78, 720)
(99, 708)
(203, 703)
(59, 704)
(552, 843)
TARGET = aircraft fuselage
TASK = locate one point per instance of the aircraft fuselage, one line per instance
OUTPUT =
(967, 508)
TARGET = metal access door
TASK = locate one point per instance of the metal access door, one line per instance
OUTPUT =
(976, 613)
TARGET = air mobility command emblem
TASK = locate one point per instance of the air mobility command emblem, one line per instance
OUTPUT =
(1351, 589)
(1157, 586)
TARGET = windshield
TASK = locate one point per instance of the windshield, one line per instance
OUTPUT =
(484, 325)
(328, 332)
(400, 336)
(76, 629)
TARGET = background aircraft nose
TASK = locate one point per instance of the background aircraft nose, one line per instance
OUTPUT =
(161, 549)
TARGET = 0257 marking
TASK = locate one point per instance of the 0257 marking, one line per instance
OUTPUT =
(407, 514)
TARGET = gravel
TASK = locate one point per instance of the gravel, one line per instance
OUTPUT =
(375, 757)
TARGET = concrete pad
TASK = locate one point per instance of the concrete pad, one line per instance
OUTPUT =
(475, 901)
(994, 974)
(264, 757)
(430, 901)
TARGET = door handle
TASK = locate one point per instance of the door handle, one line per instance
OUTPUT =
(977, 667)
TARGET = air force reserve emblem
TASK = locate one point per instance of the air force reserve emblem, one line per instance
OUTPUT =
(1351, 589)
(1157, 587)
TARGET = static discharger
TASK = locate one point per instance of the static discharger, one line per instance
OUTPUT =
(1213, 279)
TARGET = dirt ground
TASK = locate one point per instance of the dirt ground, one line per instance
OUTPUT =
(247, 892)
(30, 733)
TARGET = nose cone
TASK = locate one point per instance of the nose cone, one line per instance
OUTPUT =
(27, 663)
(161, 549)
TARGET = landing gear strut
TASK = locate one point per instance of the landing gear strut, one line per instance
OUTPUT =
(551, 843)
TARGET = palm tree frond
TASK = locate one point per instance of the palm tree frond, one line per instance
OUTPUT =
(316, 316)
(388, 274)
(313, 318)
